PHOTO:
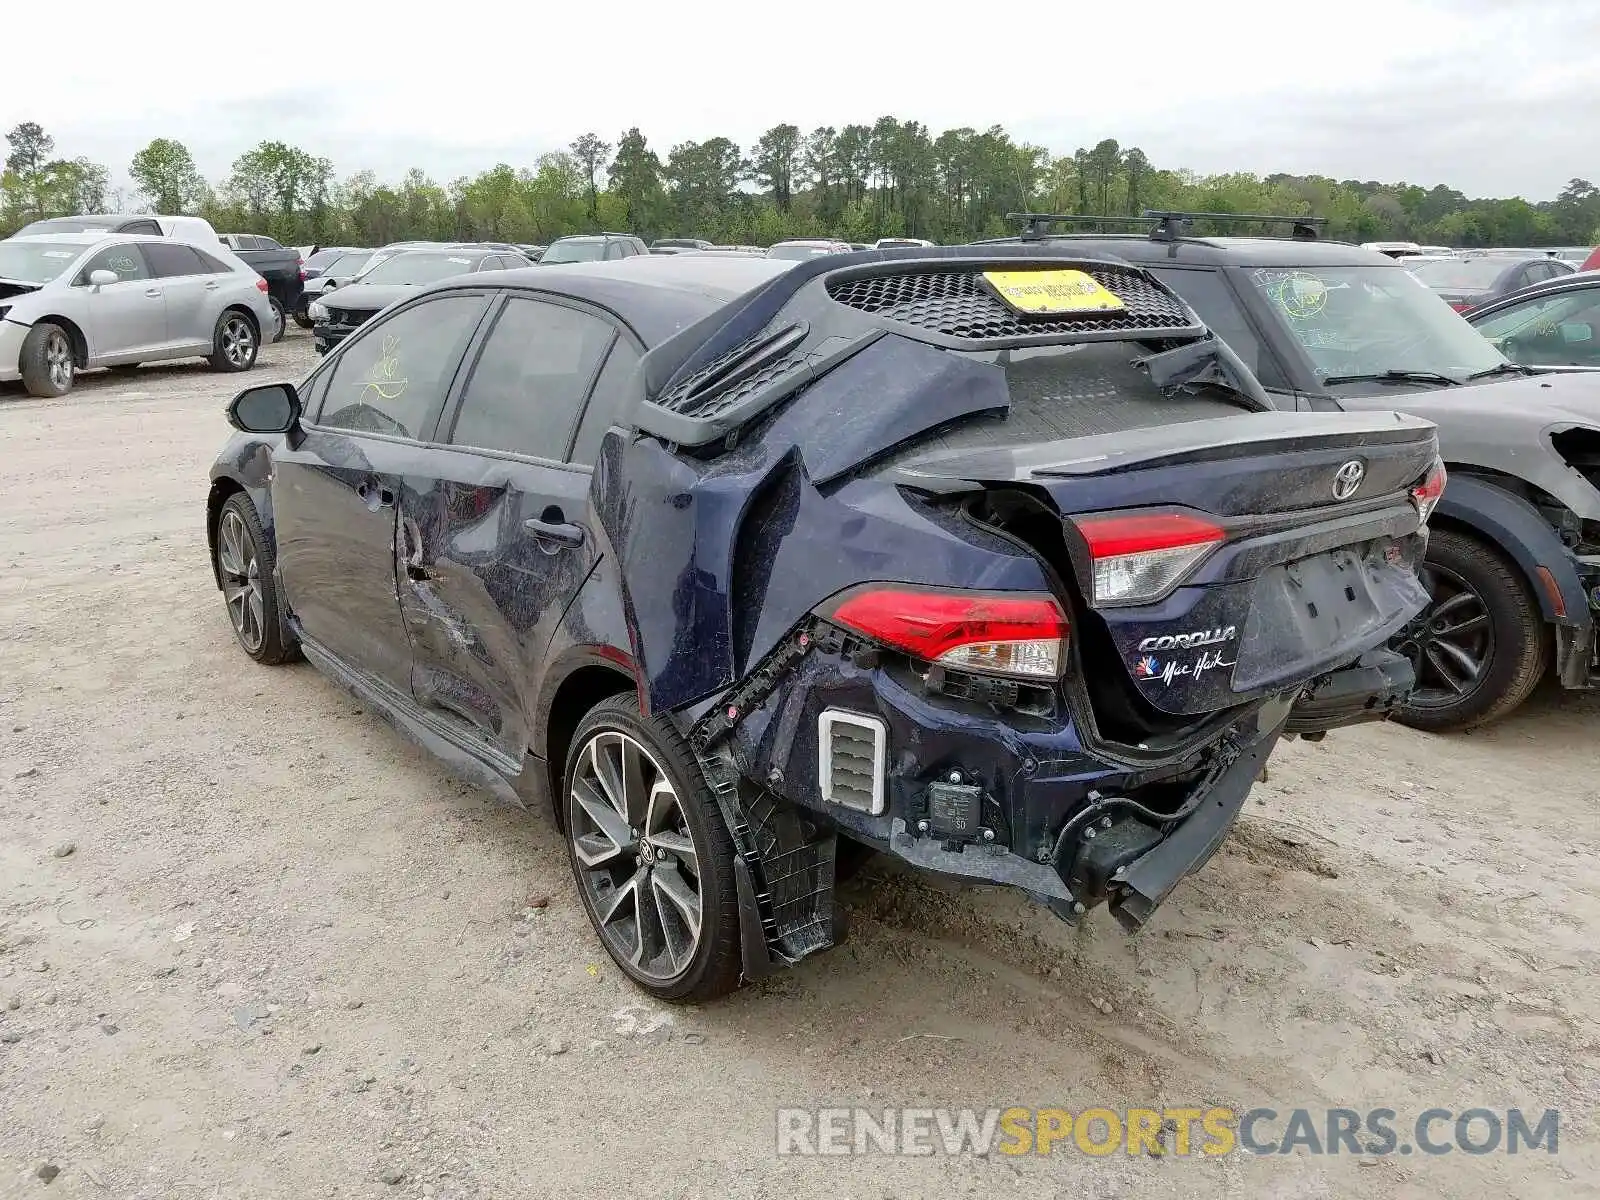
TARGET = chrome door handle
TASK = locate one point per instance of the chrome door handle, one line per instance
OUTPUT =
(211, 287)
(153, 293)
(374, 496)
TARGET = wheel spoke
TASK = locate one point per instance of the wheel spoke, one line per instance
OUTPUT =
(682, 908)
(1480, 621)
(628, 891)
(680, 847)
(1435, 660)
(257, 616)
(1457, 602)
(662, 801)
(611, 835)
(1469, 664)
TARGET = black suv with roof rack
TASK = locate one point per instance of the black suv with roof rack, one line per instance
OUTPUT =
(592, 247)
(1514, 557)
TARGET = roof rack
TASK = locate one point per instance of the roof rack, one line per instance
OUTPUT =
(1037, 228)
(1171, 225)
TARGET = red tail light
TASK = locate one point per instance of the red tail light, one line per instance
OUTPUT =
(261, 286)
(1460, 305)
(1139, 557)
(1427, 493)
(997, 633)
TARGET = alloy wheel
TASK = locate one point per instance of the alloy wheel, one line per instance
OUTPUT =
(241, 580)
(58, 360)
(238, 341)
(1451, 643)
(638, 862)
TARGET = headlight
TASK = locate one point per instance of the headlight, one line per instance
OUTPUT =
(317, 310)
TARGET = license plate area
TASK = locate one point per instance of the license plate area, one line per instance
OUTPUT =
(1305, 614)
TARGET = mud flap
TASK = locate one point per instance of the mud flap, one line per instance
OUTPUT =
(1150, 879)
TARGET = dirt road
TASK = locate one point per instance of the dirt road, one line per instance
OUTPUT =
(252, 944)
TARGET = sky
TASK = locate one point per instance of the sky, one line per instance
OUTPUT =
(1494, 97)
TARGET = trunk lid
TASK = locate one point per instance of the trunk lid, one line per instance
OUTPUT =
(1262, 548)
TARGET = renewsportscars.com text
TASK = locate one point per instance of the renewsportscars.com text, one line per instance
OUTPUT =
(1163, 1131)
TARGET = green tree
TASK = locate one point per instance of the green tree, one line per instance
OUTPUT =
(27, 186)
(592, 154)
(634, 178)
(167, 177)
(774, 162)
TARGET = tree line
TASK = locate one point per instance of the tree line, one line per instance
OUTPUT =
(857, 182)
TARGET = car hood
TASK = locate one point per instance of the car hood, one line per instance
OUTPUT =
(1505, 425)
(369, 296)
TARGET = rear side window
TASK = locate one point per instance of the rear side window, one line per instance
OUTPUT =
(169, 259)
(213, 266)
(125, 261)
(611, 393)
(1209, 295)
(530, 379)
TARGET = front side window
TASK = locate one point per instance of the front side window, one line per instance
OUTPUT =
(392, 377)
(1369, 321)
(1549, 331)
(530, 379)
(124, 261)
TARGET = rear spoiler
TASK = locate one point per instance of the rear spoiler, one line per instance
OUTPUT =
(706, 382)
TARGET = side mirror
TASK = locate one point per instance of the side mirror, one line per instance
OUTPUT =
(103, 278)
(270, 408)
(329, 284)
(1576, 333)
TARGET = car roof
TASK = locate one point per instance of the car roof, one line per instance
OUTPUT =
(91, 237)
(1575, 281)
(1219, 251)
(657, 295)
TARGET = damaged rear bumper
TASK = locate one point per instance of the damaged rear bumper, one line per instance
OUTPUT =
(967, 791)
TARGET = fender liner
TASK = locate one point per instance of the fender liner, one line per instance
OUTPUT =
(1514, 525)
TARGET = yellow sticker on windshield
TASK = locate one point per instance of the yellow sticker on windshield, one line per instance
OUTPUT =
(1050, 293)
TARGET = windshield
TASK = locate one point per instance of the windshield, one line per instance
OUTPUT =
(68, 225)
(799, 252)
(323, 257)
(1371, 320)
(346, 265)
(420, 267)
(35, 262)
(1464, 274)
(562, 252)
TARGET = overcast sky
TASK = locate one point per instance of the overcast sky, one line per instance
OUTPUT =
(1495, 97)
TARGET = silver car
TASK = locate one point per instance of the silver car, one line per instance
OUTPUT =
(77, 300)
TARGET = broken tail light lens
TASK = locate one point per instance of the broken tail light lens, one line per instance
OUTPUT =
(1428, 492)
(993, 633)
(1139, 558)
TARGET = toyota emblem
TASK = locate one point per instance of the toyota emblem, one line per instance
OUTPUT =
(1347, 479)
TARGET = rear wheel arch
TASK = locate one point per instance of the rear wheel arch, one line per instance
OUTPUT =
(574, 698)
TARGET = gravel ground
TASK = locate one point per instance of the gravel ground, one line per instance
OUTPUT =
(254, 944)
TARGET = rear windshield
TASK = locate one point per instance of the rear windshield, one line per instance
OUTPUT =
(421, 266)
(1467, 274)
(799, 252)
(565, 252)
(35, 262)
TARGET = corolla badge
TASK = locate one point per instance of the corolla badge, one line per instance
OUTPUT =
(1347, 479)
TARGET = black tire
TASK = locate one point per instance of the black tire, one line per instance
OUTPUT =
(46, 362)
(248, 567)
(235, 341)
(280, 323)
(711, 964)
(302, 317)
(1507, 638)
